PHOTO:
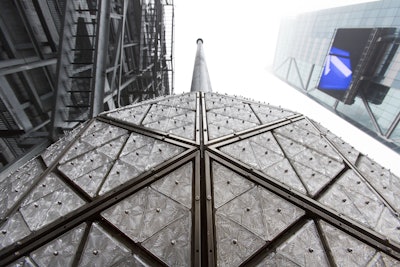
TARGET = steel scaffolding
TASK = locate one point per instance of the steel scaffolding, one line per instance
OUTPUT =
(64, 62)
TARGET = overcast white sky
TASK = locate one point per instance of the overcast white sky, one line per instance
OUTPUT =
(239, 44)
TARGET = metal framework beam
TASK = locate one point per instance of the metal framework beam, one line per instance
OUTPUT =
(127, 53)
(101, 57)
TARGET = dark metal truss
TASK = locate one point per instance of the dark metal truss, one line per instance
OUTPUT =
(113, 53)
(202, 152)
(63, 62)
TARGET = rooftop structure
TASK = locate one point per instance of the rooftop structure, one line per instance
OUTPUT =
(200, 179)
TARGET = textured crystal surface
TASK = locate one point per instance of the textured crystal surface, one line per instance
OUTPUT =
(151, 182)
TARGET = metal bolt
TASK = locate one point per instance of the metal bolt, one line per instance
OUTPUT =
(247, 209)
(55, 253)
(197, 198)
(95, 252)
(208, 197)
(3, 232)
(234, 241)
(310, 250)
(126, 211)
(176, 182)
(158, 209)
(35, 205)
(173, 242)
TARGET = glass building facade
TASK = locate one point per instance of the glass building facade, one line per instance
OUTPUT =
(307, 55)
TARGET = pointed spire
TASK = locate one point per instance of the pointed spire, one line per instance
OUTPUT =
(200, 80)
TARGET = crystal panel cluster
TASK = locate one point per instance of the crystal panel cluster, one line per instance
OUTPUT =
(128, 189)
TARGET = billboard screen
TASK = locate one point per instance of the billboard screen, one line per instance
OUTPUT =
(343, 57)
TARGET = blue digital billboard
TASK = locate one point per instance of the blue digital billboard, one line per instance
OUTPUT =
(337, 72)
(341, 61)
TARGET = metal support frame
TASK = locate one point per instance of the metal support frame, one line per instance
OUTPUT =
(309, 77)
(123, 37)
(298, 74)
(28, 66)
(370, 114)
(20, 81)
(9, 98)
(101, 57)
(393, 126)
